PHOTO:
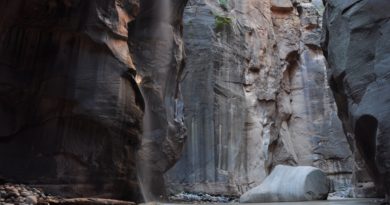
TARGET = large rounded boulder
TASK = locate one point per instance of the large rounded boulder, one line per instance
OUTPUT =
(286, 183)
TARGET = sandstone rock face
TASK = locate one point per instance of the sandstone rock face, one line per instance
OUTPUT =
(356, 41)
(70, 109)
(256, 95)
(286, 183)
(155, 39)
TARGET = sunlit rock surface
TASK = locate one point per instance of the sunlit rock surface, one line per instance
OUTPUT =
(70, 110)
(286, 183)
(356, 41)
(255, 96)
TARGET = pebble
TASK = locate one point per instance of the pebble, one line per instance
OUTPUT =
(13, 194)
(25, 193)
(31, 200)
(200, 197)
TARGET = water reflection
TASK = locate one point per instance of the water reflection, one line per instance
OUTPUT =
(329, 202)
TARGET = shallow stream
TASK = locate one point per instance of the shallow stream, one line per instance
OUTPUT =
(329, 202)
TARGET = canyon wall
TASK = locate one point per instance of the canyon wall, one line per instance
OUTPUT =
(357, 46)
(256, 95)
(155, 39)
(71, 108)
(81, 80)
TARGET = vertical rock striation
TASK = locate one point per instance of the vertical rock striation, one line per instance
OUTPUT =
(70, 110)
(155, 39)
(356, 41)
(255, 96)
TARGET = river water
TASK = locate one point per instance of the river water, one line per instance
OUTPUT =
(329, 202)
(334, 202)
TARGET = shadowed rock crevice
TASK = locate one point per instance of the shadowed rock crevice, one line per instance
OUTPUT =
(366, 128)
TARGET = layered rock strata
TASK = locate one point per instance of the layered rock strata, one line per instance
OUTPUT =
(255, 96)
(357, 46)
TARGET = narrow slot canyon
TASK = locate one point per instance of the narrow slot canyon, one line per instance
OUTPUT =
(194, 102)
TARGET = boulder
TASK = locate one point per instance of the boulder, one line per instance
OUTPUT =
(286, 183)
